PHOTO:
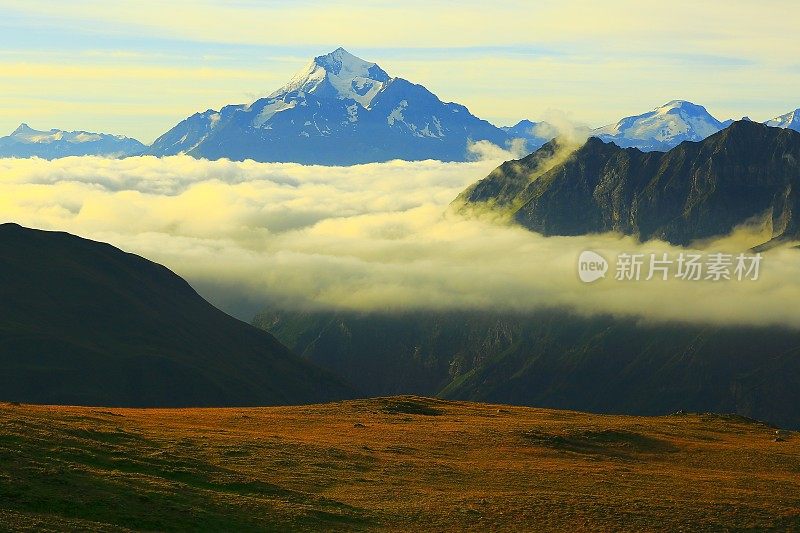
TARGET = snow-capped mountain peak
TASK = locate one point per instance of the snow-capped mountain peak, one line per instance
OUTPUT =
(339, 110)
(681, 106)
(788, 120)
(338, 74)
(22, 129)
(663, 128)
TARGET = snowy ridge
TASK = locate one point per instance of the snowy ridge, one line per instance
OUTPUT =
(789, 120)
(26, 134)
(28, 142)
(663, 128)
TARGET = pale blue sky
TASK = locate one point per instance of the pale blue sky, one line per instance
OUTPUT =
(137, 68)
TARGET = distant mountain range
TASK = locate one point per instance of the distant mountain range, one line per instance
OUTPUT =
(339, 110)
(83, 323)
(343, 110)
(28, 142)
(697, 190)
(555, 359)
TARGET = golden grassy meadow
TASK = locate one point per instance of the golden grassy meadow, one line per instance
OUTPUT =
(399, 464)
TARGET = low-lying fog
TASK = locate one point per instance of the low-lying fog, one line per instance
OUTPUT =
(370, 237)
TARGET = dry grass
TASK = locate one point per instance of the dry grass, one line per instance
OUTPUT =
(391, 464)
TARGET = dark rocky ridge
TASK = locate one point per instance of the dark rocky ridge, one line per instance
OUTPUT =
(697, 190)
(83, 323)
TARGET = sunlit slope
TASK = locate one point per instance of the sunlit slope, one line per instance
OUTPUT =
(400, 464)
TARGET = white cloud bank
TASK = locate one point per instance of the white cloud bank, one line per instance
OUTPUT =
(364, 237)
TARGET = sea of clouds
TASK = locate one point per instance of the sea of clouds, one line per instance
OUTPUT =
(371, 237)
